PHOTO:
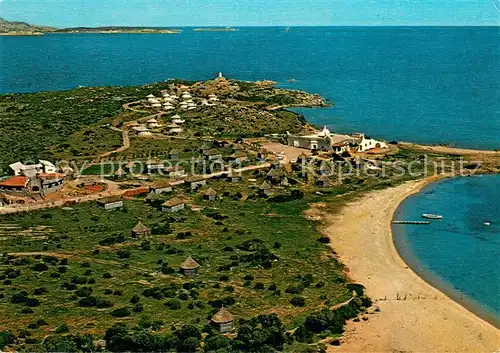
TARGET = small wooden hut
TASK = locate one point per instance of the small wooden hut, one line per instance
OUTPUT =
(140, 230)
(323, 181)
(189, 267)
(223, 320)
(210, 195)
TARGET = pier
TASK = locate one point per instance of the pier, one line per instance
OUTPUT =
(411, 222)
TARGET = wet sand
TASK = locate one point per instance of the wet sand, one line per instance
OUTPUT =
(414, 316)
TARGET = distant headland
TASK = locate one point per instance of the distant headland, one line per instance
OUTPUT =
(14, 28)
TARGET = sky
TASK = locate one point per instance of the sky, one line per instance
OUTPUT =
(176, 13)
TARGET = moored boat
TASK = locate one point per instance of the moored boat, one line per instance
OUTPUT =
(432, 216)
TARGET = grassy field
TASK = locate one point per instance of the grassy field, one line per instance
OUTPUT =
(232, 240)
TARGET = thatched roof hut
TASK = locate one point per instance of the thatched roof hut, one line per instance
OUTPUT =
(189, 267)
(223, 319)
(140, 230)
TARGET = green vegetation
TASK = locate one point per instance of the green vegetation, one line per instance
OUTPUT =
(87, 271)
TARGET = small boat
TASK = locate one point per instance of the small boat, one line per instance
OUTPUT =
(487, 223)
(432, 216)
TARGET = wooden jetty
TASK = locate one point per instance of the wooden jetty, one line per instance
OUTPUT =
(411, 222)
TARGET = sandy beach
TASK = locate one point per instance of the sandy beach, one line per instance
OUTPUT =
(414, 316)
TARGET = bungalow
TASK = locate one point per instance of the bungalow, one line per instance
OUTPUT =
(130, 166)
(234, 177)
(173, 205)
(204, 148)
(323, 181)
(223, 320)
(274, 176)
(153, 198)
(174, 154)
(120, 174)
(265, 189)
(189, 267)
(161, 187)
(140, 230)
(212, 155)
(196, 182)
(238, 157)
(154, 166)
(210, 195)
(175, 171)
(15, 183)
(262, 154)
(110, 203)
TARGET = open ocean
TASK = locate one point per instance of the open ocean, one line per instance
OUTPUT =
(420, 84)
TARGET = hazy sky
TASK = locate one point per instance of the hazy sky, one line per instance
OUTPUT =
(68, 13)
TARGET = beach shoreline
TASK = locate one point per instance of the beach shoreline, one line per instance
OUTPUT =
(414, 315)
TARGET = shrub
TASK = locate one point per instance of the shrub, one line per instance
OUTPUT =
(39, 291)
(298, 301)
(84, 292)
(277, 245)
(173, 304)
(324, 240)
(40, 267)
(224, 278)
(62, 329)
(248, 277)
(135, 299)
(123, 254)
(259, 286)
(107, 275)
(6, 338)
(121, 312)
(272, 287)
(294, 290)
(138, 308)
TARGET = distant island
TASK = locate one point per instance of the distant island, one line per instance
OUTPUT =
(216, 29)
(14, 28)
(22, 28)
(114, 29)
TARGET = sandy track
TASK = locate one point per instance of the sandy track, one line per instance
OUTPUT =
(427, 321)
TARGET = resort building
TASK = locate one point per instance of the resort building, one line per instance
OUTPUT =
(323, 181)
(210, 195)
(175, 171)
(140, 230)
(234, 177)
(189, 267)
(161, 187)
(110, 203)
(212, 155)
(196, 182)
(174, 154)
(30, 170)
(265, 189)
(40, 178)
(326, 141)
(15, 183)
(173, 205)
(153, 198)
(223, 320)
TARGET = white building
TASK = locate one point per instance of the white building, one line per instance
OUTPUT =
(324, 140)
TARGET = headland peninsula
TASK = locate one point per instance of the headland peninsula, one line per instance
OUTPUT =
(204, 215)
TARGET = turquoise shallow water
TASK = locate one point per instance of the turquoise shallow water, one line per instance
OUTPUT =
(458, 254)
(419, 84)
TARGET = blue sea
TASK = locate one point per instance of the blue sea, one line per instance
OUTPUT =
(421, 84)
(458, 254)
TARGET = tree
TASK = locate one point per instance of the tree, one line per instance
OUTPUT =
(59, 343)
(216, 342)
(6, 338)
